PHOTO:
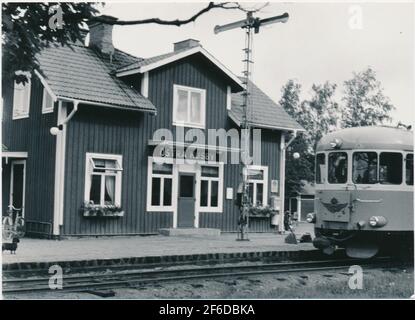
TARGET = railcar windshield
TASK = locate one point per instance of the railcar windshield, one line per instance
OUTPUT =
(320, 168)
(390, 168)
(410, 169)
(365, 167)
(337, 167)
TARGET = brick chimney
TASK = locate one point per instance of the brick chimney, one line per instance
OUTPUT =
(100, 35)
(186, 44)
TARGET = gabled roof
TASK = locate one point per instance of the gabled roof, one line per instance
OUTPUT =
(79, 73)
(263, 111)
(148, 64)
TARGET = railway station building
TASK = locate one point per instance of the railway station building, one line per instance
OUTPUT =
(79, 142)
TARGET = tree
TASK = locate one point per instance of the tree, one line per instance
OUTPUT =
(317, 116)
(364, 101)
(27, 30)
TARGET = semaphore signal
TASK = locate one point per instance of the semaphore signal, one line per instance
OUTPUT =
(250, 24)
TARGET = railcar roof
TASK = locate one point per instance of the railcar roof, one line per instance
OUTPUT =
(375, 137)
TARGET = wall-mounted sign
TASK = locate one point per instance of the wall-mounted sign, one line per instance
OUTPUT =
(229, 193)
(187, 152)
(274, 186)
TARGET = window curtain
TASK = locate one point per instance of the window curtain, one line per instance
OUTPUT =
(110, 181)
(110, 187)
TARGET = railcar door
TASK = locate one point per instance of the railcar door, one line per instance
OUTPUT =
(334, 204)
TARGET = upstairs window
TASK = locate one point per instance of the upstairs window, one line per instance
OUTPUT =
(409, 165)
(21, 98)
(365, 167)
(47, 102)
(103, 179)
(258, 186)
(337, 167)
(390, 168)
(189, 106)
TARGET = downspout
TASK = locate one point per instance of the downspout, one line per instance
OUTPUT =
(63, 119)
(283, 147)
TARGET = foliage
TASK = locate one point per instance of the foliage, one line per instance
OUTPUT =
(261, 211)
(364, 101)
(363, 104)
(317, 116)
(26, 32)
(90, 209)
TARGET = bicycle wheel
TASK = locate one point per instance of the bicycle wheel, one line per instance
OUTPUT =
(7, 229)
(20, 228)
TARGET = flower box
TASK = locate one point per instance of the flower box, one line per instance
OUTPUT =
(89, 209)
(261, 212)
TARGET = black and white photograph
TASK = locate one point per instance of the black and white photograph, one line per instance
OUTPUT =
(185, 152)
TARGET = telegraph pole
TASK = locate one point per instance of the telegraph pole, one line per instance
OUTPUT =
(249, 24)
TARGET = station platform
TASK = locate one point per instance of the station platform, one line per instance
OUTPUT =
(41, 253)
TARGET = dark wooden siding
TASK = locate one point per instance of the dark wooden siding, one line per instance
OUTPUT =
(102, 130)
(228, 219)
(32, 135)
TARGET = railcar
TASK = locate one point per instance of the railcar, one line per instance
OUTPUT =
(364, 199)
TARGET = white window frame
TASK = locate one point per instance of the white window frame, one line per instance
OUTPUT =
(118, 176)
(264, 181)
(46, 108)
(22, 111)
(202, 93)
(151, 175)
(200, 178)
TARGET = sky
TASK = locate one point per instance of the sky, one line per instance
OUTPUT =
(320, 42)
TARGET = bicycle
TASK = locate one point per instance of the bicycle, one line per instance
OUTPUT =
(13, 224)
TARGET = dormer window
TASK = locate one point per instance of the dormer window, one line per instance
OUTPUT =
(21, 98)
(189, 106)
(47, 103)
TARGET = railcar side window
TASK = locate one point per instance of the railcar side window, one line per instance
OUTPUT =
(321, 168)
(410, 169)
(337, 167)
(365, 167)
(390, 168)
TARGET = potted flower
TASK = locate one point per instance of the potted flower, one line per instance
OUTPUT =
(89, 209)
(261, 212)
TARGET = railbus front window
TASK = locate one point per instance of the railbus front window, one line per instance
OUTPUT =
(365, 167)
(337, 167)
(410, 169)
(390, 168)
(320, 168)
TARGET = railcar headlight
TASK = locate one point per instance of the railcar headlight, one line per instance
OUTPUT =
(377, 221)
(311, 217)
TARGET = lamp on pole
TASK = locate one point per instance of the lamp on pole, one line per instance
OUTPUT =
(250, 24)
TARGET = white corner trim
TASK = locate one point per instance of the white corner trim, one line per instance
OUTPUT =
(228, 98)
(144, 84)
(59, 169)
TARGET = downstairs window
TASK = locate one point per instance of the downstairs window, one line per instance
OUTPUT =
(103, 179)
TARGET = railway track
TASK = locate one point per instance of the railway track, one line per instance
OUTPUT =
(131, 278)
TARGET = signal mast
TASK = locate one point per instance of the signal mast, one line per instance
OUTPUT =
(249, 24)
